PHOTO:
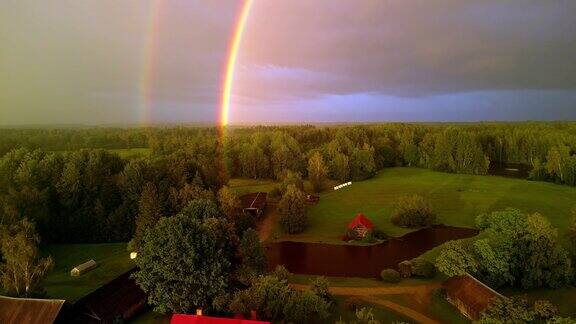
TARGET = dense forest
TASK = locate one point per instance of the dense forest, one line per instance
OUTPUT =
(77, 190)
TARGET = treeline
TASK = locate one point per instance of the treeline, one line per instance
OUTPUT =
(92, 195)
(69, 139)
(357, 152)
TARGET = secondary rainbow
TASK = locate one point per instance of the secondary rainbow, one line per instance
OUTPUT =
(149, 61)
(232, 57)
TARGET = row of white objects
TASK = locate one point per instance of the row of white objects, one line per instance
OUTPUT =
(342, 185)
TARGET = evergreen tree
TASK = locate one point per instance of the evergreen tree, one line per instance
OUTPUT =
(292, 210)
(149, 210)
(253, 254)
(317, 171)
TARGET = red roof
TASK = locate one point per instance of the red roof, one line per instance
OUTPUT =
(360, 220)
(194, 319)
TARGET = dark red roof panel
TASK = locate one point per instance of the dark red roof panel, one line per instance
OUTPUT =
(194, 319)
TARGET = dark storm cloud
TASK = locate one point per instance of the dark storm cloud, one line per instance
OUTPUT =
(417, 47)
(69, 61)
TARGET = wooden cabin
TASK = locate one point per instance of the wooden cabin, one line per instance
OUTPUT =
(469, 295)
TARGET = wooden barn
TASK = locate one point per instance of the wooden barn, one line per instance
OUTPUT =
(469, 295)
(361, 225)
(254, 203)
(118, 300)
(31, 311)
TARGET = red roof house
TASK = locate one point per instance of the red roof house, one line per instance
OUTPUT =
(195, 319)
(361, 225)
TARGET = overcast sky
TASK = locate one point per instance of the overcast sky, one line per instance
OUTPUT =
(80, 62)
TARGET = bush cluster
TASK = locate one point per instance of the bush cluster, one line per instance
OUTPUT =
(390, 276)
(423, 268)
(413, 211)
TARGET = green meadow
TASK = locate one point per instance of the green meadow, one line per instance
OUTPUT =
(112, 258)
(456, 199)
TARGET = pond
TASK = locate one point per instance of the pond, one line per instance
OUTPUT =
(360, 261)
(510, 170)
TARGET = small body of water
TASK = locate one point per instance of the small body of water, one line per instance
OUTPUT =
(510, 170)
(360, 261)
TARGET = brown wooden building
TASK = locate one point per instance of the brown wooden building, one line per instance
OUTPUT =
(31, 311)
(469, 295)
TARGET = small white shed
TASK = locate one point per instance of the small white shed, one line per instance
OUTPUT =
(83, 268)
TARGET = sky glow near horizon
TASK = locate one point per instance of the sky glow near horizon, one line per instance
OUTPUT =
(299, 61)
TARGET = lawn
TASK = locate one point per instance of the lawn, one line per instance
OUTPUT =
(456, 199)
(112, 258)
(244, 186)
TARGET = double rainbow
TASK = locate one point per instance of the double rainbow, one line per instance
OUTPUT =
(150, 60)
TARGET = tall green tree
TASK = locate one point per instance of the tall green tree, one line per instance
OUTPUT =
(317, 171)
(292, 210)
(149, 210)
(557, 161)
(185, 263)
(253, 254)
(517, 250)
(229, 202)
(22, 270)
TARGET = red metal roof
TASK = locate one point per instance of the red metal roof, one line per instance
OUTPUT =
(194, 319)
(360, 219)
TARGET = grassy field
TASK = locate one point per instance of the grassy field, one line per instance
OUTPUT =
(456, 199)
(244, 186)
(112, 258)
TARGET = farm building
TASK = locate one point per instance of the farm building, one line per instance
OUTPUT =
(254, 203)
(31, 311)
(195, 319)
(121, 298)
(361, 225)
(469, 295)
(83, 268)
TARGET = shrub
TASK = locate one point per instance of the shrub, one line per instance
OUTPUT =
(390, 276)
(413, 211)
(281, 273)
(353, 303)
(423, 268)
(243, 222)
(319, 286)
(380, 235)
(405, 269)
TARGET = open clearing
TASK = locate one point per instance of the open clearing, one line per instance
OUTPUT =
(112, 259)
(457, 199)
